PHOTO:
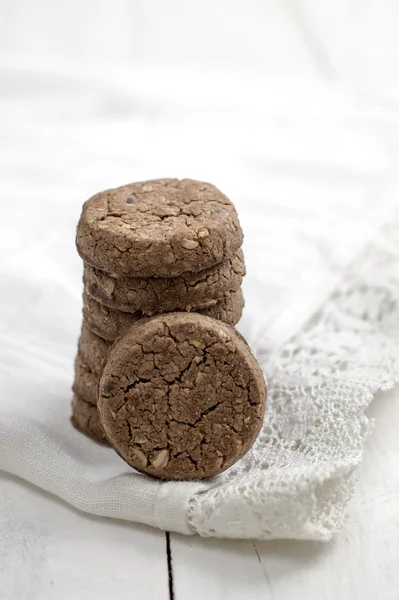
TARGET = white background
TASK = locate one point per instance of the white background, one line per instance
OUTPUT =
(355, 39)
(292, 108)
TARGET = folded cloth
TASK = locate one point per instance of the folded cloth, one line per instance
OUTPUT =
(296, 480)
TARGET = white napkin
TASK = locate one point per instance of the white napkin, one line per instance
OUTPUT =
(304, 221)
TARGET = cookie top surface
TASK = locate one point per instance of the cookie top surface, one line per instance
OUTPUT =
(181, 396)
(158, 228)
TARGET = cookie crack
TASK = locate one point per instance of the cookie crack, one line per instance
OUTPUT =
(129, 428)
(207, 412)
(199, 362)
(89, 404)
(188, 456)
(137, 382)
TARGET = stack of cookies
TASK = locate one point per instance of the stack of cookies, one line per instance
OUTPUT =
(160, 246)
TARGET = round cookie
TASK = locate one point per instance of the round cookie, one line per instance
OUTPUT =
(160, 228)
(110, 324)
(85, 384)
(181, 396)
(92, 349)
(85, 418)
(160, 294)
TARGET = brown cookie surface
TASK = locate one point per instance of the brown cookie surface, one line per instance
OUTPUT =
(85, 418)
(109, 323)
(92, 349)
(229, 310)
(85, 384)
(165, 294)
(104, 321)
(181, 396)
(160, 228)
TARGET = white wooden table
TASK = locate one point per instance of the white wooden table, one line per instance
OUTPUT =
(85, 558)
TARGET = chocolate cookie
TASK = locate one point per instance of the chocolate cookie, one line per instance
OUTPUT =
(109, 323)
(181, 396)
(104, 321)
(158, 228)
(85, 418)
(86, 382)
(92, 349)
(229, 310)
(160, 294)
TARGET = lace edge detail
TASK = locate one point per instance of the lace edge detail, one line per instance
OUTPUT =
(309, 502)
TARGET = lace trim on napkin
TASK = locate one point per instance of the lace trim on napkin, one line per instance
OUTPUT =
(297, 479)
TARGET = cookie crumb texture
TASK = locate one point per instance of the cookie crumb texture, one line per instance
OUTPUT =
(166, 294)
(109, 323)
(160, 228)
(181, 396)
(85, 384)
(85, 418)
(92, 348)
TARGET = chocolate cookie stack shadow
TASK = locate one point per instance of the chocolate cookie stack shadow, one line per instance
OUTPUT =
(178, 394)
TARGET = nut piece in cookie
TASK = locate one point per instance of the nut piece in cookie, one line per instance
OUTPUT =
(181, 396)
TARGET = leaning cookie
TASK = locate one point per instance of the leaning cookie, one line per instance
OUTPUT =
(109, 323)
(152, 295)
(159, 228)
(181, 396)
(85, 418)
